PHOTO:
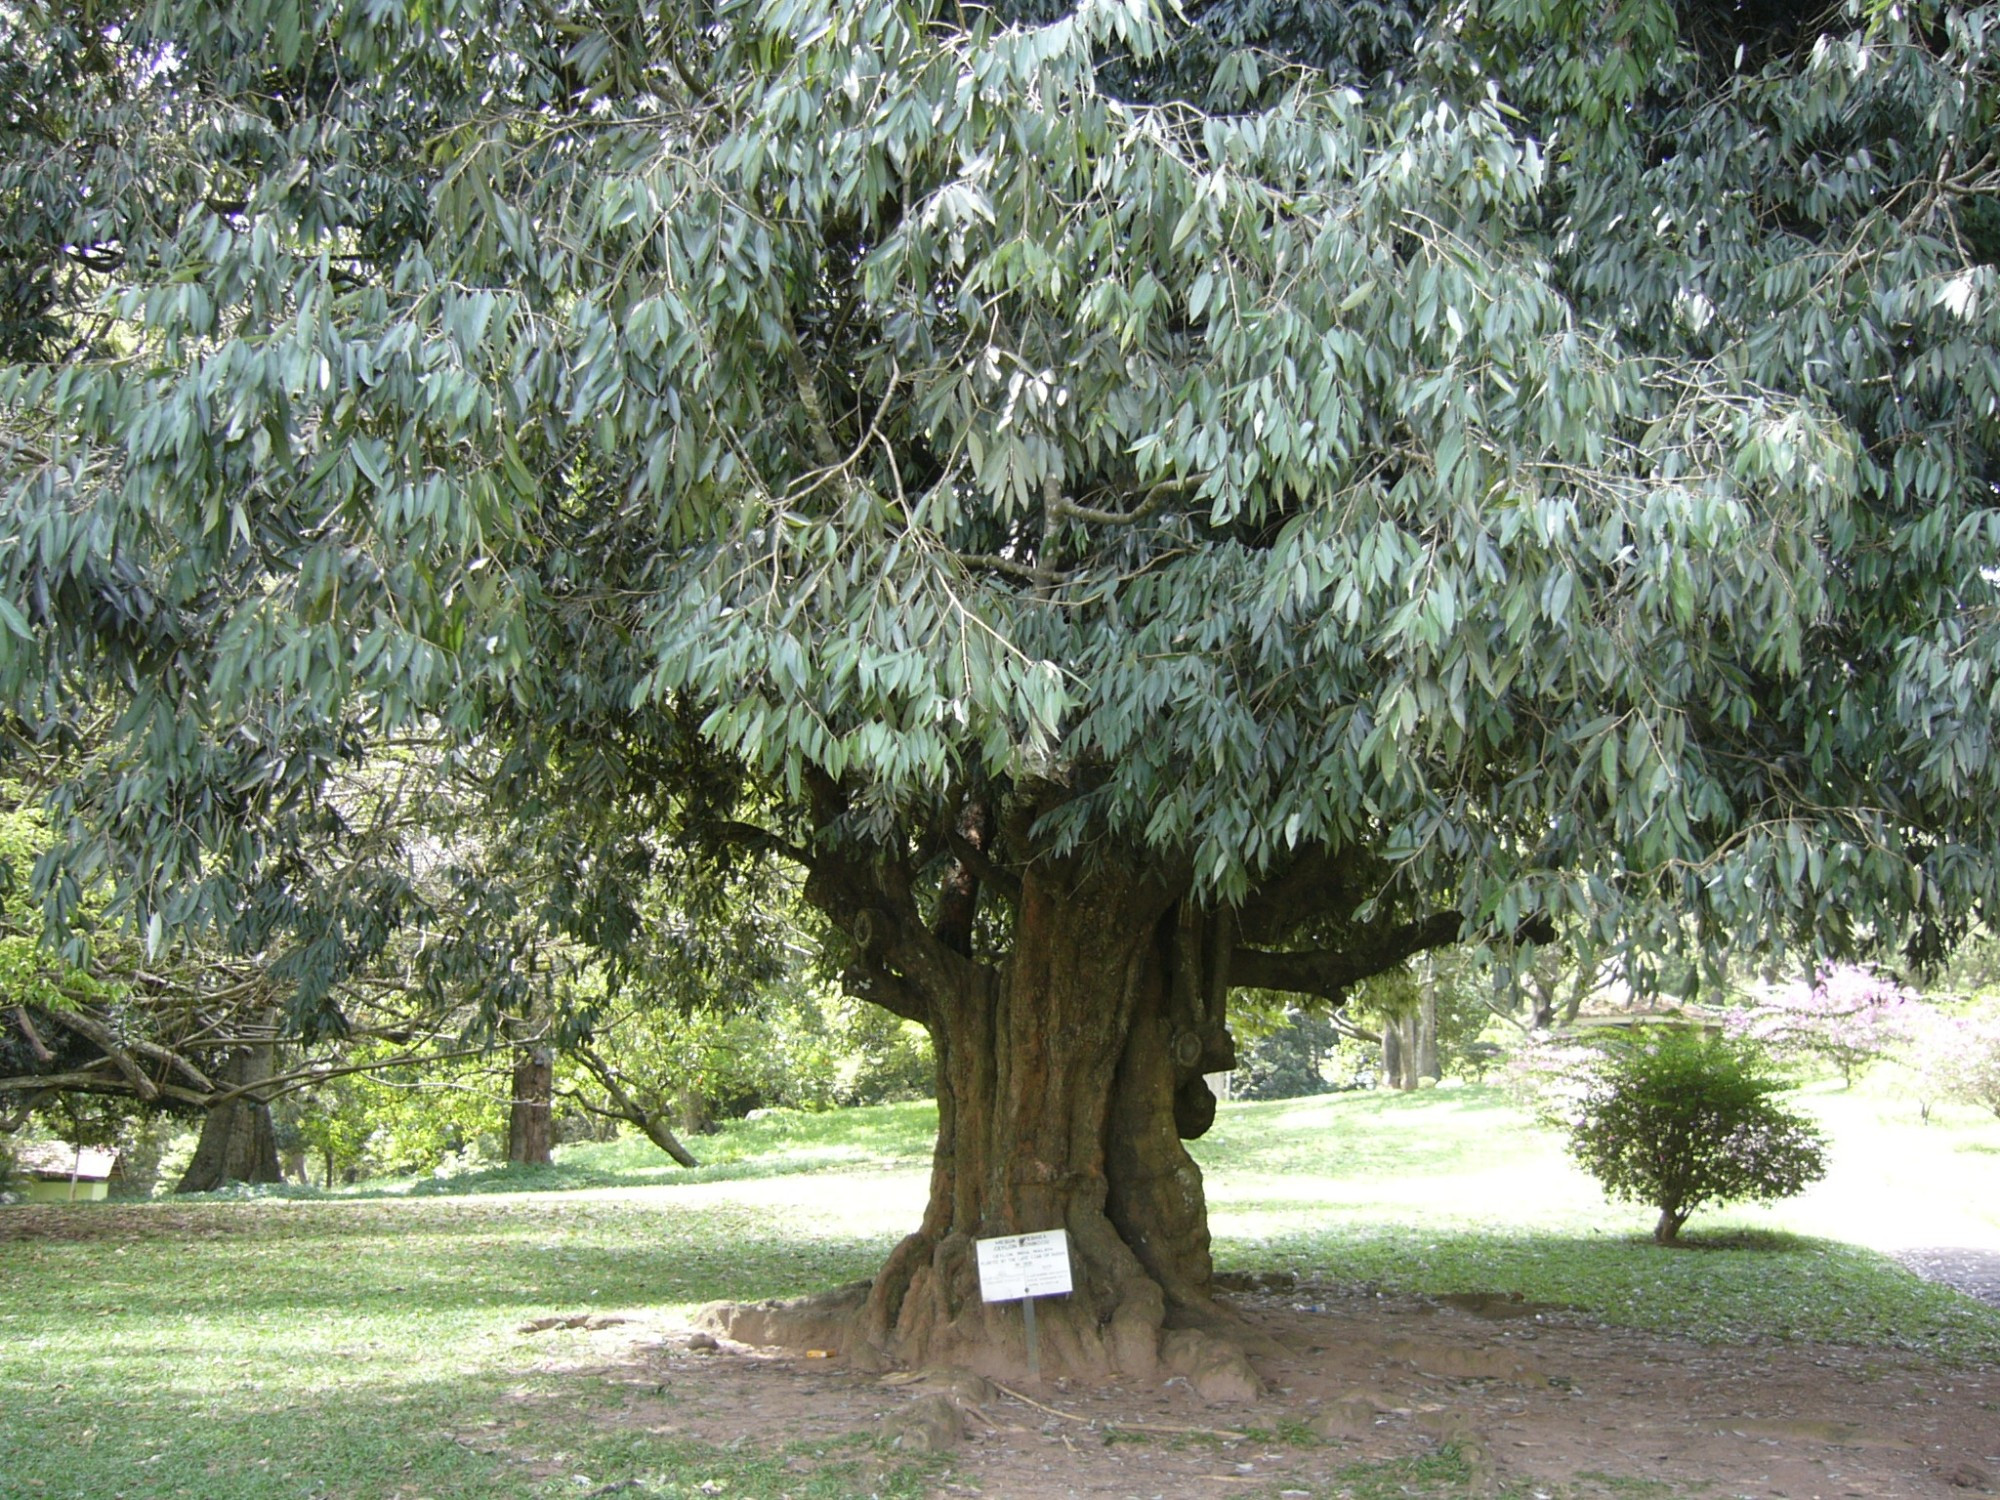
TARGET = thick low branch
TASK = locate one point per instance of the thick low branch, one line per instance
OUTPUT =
(84, 1081)
(1330, 972)
(866, 891)
(874, 983)
(105, 1077)
(101, 1035)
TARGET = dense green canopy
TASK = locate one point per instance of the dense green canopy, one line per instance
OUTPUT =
(1378, 476)
(1550, 459)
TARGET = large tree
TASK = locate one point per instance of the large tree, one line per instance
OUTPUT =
(1133, 504)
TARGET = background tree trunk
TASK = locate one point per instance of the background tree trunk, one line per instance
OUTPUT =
(696, 1112)
(1425, 1063)
(237, 1141)
(530, 1127)
(656, 1131)
(1405, 1048)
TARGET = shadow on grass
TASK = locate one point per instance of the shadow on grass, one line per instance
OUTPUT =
(763, 1155)
(1753, 1241)
(418, 1427)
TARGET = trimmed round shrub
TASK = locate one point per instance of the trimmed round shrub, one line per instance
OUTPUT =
(1676, 1120)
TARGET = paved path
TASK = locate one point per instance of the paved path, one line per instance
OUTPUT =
(1974, 1272)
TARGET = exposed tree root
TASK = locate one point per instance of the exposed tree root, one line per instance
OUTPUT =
(989, 1339)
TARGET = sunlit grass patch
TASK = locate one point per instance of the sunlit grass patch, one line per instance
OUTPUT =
(349, 1348)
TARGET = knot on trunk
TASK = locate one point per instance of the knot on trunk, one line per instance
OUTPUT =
(1194, 1108)
(871, 930)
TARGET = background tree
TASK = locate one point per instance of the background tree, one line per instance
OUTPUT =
(1133, 508)
(1955, 1056)
(1283, 1054)
(1677, 1119)
(1428, 1016)
(124, 1024)
(1851, 1015)
(1541, 988)
(1974, 1075)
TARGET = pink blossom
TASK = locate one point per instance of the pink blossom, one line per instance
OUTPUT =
(1850, 1016)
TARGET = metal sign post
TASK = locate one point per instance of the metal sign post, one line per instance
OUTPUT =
(1020, 1268)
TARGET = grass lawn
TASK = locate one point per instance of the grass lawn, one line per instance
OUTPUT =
(366, 1343)
(1453, 1190)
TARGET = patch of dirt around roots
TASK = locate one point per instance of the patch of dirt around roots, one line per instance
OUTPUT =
(1375, 1395)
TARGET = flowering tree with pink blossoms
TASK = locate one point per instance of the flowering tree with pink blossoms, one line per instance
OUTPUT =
(1852, 1015)
(1958, 1057)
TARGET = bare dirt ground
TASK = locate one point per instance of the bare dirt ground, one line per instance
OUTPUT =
(1378, 1396)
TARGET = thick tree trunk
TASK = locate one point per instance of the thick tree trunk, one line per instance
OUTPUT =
(1065, 1084)
(530, 1128)
(237, 1142)
(1067, 1077)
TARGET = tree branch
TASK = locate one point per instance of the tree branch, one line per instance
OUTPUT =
(35, 1044)
(1329, 972)
(1007, 565)
(83, 1081)
(824, 446)
(974, 859)
(174, 1060)
(763, 840)
(876, 984)
(628, 1109)
(101, 1035)
(1069, 510)
(865, 890)
(1348, 1028)
(267, 1089)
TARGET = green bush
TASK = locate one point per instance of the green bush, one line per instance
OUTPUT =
(1675, 1120)
(1290, 1060)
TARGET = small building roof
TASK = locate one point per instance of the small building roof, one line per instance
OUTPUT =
(53, 1159)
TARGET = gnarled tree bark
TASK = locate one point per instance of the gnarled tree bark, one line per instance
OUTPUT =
(1069, 1073)
(1056, 1111)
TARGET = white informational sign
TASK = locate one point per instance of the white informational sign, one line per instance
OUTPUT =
(1024, 1265)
